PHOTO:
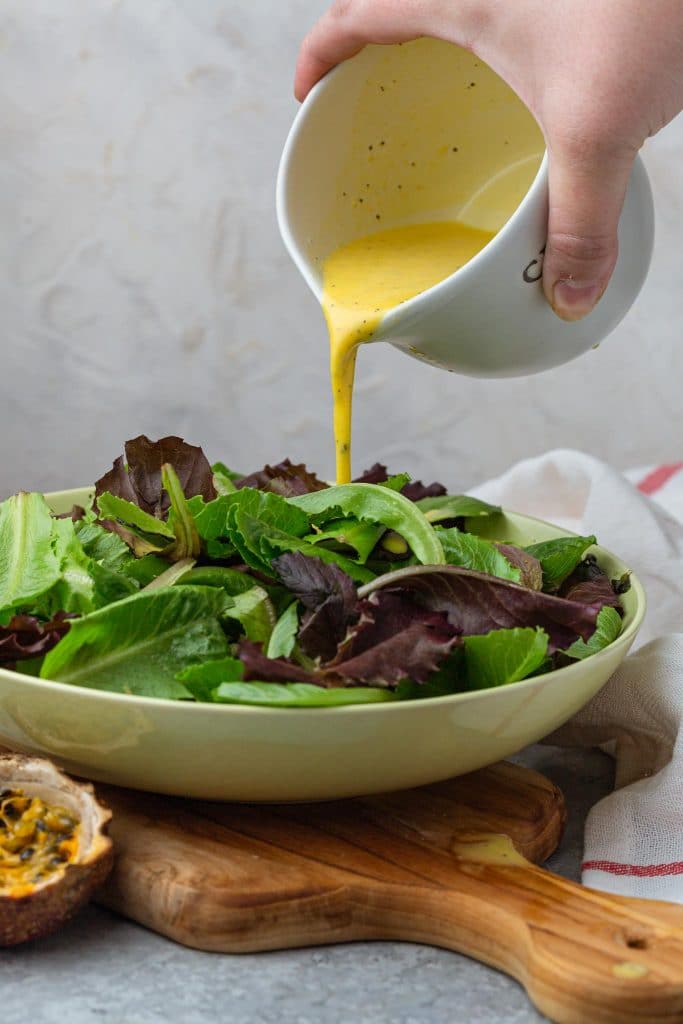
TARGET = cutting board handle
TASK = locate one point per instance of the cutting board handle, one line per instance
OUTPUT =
(583, 956)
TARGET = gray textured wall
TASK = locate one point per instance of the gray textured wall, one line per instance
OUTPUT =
(144, 286)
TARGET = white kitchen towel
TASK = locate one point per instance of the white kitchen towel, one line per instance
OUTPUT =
(634, 838)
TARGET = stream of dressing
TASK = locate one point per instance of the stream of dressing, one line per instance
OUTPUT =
(364, 279)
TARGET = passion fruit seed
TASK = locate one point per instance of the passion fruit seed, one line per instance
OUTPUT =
(36, 839)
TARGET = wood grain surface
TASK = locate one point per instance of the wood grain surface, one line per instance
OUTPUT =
(450, 864)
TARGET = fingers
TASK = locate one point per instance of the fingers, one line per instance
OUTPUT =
(349, 25)
(587, 189)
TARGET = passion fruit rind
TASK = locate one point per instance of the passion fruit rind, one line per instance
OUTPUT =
(51, 902)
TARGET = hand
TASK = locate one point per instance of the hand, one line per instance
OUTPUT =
(600, 77)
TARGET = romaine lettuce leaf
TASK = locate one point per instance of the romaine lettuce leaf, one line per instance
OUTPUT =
(103, 546)
(74, 591)
(139, 645)
(29, 564)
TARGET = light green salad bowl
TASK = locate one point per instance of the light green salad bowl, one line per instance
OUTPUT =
(233, 752)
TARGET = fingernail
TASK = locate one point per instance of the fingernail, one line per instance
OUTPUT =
(573, 299)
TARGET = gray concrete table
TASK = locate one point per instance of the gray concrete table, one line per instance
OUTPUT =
(102, 968)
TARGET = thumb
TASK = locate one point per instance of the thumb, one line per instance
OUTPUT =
(587, 190)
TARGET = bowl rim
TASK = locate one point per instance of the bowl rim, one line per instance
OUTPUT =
(625, 638)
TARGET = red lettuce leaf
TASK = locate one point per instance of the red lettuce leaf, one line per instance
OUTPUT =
(76, 513)
(329, 597)
(141, 481)
(531, 572)
(476, 603)
(259, 667)
(377, 474)
(394, 639)
(286, 479)
(589, 584)
(26, 637)
(414, 491)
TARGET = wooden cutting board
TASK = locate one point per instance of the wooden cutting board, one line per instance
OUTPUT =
(448, 865)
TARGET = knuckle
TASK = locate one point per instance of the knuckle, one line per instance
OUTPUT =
(341, 8)
(581, 248)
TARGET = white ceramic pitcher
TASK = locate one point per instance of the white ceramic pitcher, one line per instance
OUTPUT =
(426, 131)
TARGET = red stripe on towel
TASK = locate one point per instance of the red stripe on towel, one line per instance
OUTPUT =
(655, 480)
(638, 870)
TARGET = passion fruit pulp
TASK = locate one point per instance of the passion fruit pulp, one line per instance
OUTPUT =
(54, 850)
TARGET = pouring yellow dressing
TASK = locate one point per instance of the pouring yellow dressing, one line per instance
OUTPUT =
(367, 277)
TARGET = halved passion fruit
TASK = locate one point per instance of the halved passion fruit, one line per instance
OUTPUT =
(54, 850)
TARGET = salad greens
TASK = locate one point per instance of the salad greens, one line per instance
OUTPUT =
(190, 581)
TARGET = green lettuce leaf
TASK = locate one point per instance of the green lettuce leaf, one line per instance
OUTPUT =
(259, 541)
(29, 565)
(74, 591)
(232, 581)
(187, 543)
(475, 553)
(342, 534)
(144, 570)
(202, 680)
(139, 645)
(110, 586)
(283, 637)
(220, 681)
(455, 506)
(607, 630)
(224, 478)
(103, 546)
(503, 656)
(109, 557)
(126, 512)
(211, 517)
(376, 504)
(559, 557)
(255, 613)
(450, 677)
(298, 695)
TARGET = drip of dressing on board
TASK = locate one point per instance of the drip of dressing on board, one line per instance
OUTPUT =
(367, 277)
